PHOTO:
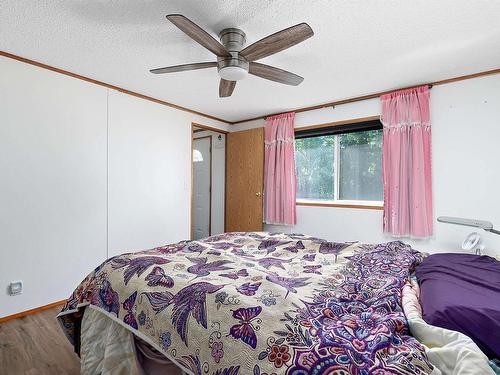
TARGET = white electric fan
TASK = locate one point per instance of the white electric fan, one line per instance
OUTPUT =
(473, 242)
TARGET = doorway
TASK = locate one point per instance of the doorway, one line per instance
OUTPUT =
(208, 181)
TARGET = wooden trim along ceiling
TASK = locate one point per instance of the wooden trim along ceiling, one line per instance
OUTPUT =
(32, 311)
(107, 85)
(296, 110)
(375, 95)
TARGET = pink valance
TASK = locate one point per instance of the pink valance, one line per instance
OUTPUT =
(409, 107)
(407, 163)
(279, 170)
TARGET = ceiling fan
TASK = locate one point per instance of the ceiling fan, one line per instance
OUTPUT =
(235, 62)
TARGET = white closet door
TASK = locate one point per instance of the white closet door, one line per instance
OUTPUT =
(202, 181)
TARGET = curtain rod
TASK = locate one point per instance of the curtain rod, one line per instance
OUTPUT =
(352, 100)
(339, 102)
(375, 95)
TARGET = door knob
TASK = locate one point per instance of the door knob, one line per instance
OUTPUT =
(258, 194)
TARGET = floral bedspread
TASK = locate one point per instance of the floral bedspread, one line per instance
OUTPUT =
(262, 304)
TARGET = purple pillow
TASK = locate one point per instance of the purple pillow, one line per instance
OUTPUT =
(461, 292)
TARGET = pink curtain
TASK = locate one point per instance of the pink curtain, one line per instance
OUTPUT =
(279, 170)
(407, 163)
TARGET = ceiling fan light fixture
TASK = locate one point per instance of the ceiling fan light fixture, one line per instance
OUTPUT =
(235, 62)
(233, 73)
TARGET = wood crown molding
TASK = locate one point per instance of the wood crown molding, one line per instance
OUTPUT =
(109, 86)
(32, 311)
(375, 95)
(296, 110)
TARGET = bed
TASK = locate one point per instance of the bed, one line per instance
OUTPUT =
(251, 303)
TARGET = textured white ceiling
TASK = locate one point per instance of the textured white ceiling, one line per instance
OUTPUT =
(359, 47)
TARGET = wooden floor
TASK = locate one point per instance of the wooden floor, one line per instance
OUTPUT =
(36, 345)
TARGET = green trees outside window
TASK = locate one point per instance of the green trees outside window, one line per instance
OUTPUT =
(340, 167)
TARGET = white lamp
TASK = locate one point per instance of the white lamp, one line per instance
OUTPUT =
(473, 241)
(485, 225)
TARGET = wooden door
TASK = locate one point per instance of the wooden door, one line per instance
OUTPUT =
(245, 180)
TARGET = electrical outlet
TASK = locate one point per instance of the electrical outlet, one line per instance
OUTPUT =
(16, 287)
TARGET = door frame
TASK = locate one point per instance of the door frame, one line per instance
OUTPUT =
(191, 210)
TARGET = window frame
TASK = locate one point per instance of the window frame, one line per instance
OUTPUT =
(360, 204)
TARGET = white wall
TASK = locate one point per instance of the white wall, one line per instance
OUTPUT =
(149, 149)
(52, 183)
(84, 172)
(466, 174)
(218, 179)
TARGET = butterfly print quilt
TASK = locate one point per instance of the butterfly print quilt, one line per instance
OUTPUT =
(261, 304)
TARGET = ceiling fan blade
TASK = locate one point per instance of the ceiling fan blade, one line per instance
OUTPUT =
(198, 34)
(274, 74)
(226, 88)
(277, 42)
(184, 67)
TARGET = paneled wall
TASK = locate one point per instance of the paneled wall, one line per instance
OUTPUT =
(85, 173)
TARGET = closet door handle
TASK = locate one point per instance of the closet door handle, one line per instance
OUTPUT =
(258, 194)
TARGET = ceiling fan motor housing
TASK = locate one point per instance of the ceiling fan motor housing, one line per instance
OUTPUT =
(235, 67)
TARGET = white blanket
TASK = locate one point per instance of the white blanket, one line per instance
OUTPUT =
(107, 348)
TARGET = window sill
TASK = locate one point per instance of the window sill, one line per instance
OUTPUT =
(342, 204)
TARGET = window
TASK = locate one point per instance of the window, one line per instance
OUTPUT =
(340, 164)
